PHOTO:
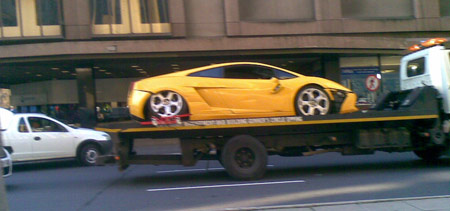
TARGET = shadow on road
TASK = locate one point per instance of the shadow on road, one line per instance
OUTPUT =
(275, 173)
(36, 166)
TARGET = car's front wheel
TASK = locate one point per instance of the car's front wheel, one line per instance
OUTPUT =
(312, 100)
(167, 104)
(88, 155)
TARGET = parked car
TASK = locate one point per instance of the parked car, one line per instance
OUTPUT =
(6, 162)
(237, 90)
(34, 137)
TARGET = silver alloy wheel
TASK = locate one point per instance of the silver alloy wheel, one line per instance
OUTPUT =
(313, 101)
(166, 103)
(91, 155)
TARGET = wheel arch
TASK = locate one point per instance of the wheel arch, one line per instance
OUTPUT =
(146, 108)
(87, 142)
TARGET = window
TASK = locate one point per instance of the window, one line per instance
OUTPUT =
(211, 73)
(129, 16)
(248, 72)
(154, 11)
(8, 15)
(274, 11)
(30, 18)
(444, 7)
(415, 67)
(44, 125)
(22, 126)
(47, 12)
(283, 75)
(106, 11)
(377, 9)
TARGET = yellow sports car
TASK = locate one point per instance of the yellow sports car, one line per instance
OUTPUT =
(237, 90)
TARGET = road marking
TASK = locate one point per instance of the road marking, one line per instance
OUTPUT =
(226, 186)
(193, 170)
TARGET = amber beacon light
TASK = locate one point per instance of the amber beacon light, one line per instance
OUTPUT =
(428, 43)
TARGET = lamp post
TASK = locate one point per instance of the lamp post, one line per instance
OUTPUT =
(3, 201)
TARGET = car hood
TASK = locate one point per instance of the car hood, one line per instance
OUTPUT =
(91, 134)
(6, 118)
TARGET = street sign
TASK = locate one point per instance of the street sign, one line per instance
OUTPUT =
(372, 83)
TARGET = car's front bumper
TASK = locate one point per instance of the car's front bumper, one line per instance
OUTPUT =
(344, 102)
(106, 147)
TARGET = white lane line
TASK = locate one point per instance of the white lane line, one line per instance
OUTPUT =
(188, 170)
(224, 186)
(193, 170)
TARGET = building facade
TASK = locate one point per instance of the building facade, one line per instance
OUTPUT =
(84, 53)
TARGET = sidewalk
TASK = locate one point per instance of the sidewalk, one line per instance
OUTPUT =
(436, 203)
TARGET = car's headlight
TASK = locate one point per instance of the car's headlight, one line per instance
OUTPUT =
(107, 137)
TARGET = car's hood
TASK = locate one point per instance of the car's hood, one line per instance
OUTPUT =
(92, 134)
(6, 118)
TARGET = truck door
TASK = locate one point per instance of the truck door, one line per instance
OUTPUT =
(415, 72)
(50, 139)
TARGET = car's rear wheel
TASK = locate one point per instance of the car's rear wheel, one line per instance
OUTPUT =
(167, 104)
(312, 100)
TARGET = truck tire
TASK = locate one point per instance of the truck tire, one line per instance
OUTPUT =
(430, 154)
(88, 155)
(244, 158)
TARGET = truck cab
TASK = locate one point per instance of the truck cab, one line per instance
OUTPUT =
(428, 65)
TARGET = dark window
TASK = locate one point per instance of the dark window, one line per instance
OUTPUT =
(377, 9)
(445, 7)
(22, 126)
(283, 75)
(248, 72)
(47, 12)
(8, 15)
(212, 73)
(44, 125)
(416, 67)
(154, 11)
(276, 10)
(106, 11)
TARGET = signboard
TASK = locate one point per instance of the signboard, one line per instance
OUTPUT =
(372, 83)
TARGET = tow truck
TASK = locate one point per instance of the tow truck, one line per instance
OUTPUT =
(416, 118)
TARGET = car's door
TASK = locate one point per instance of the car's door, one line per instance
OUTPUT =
(20, 140)
(254, 89)
(50, 139)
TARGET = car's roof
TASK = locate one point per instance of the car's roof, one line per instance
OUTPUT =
(189, 71)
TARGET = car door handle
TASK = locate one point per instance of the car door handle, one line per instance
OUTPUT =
(37, 138)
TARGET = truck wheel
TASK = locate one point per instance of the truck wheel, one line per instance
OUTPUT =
(430, 154)
(88, 155)
(244, 158)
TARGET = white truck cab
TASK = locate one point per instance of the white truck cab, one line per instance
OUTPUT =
(428, 65)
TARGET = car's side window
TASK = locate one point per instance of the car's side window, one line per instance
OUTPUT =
(248, 72)
(210, 73)
(22, 126)
(283, 75)
(416, 67)
(44, 125)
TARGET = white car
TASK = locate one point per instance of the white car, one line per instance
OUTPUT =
(35, 137)
(6, 162)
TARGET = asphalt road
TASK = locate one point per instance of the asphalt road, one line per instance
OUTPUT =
(296, 180)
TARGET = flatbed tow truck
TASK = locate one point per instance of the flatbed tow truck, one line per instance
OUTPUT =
(417, 119)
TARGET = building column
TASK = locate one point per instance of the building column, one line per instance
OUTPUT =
(331, 67)
(86, 97)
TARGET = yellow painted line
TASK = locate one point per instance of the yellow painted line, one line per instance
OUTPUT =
(313, 122)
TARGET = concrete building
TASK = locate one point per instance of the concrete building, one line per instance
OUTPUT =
(84, 53)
